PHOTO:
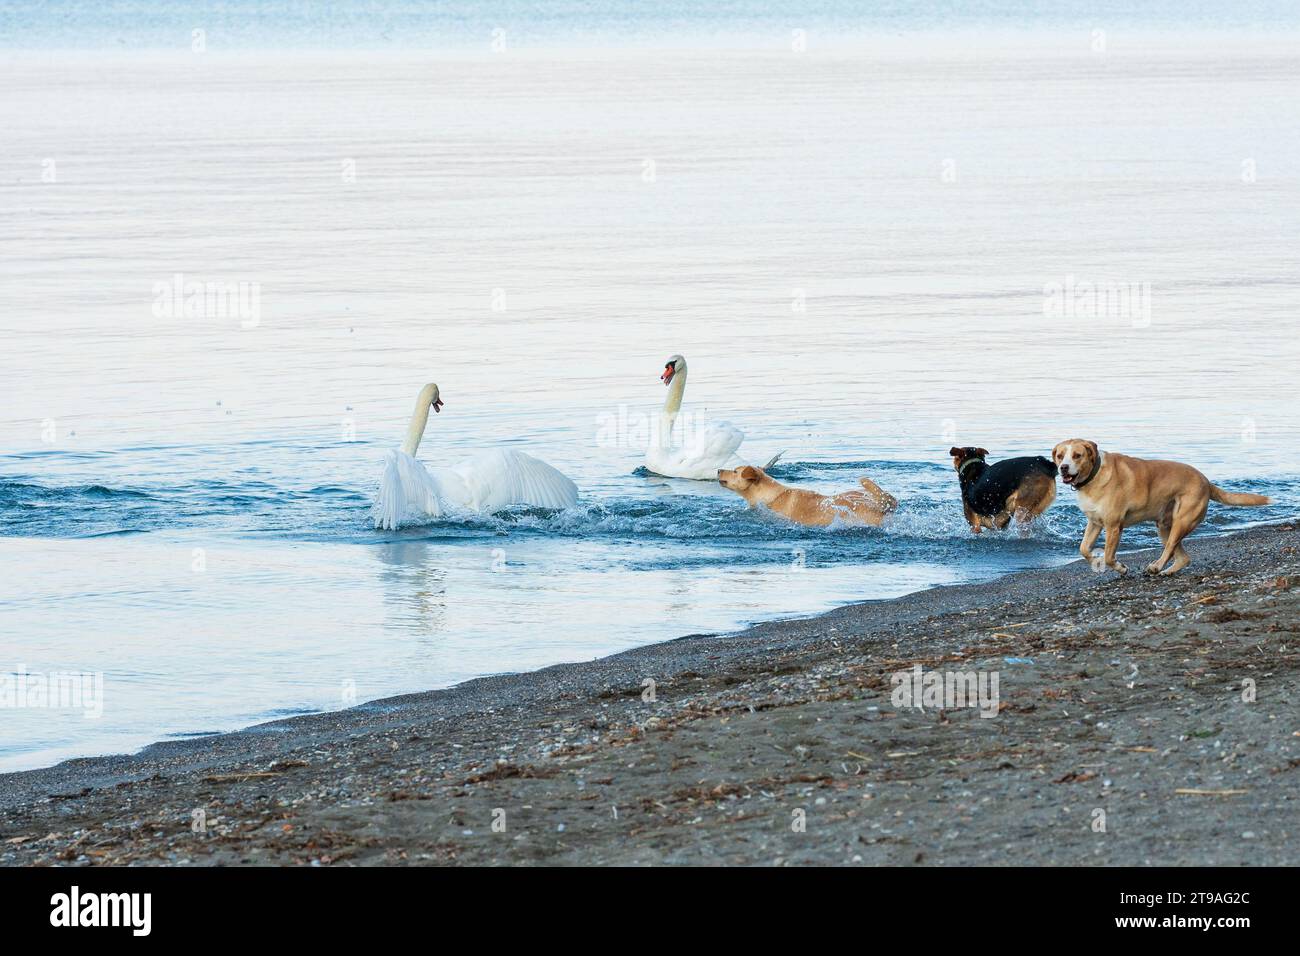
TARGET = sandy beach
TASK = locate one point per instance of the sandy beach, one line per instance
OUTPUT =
(1122, 700)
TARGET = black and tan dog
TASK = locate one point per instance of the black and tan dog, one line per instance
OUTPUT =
(1116, 491)
(992, 495)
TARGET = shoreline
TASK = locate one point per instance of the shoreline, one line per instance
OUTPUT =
(742, 37)
(788, 715)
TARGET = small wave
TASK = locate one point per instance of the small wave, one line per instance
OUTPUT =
(115, 533)
(30, 508)
(44, 453)
(26, 491)
(335, 491)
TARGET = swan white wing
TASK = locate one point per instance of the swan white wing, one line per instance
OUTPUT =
(709, 448)
(501, 478)
(715, 442)
(407, 492)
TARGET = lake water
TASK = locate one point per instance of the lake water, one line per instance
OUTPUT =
(869, 249)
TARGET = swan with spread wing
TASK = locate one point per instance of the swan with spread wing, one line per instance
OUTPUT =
(490, 481)
(699, 454)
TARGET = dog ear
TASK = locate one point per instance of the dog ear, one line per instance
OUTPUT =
(749, 472)
(1096, 452)
(955, 452)
(981, 452)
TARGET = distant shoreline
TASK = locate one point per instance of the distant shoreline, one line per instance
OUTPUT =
(878, 41)
(1117, 694)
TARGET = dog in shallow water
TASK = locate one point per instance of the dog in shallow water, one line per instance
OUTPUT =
(1116, 491)
(869, 506)
(992, 495)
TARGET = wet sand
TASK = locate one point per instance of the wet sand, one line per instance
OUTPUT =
(1120, 702)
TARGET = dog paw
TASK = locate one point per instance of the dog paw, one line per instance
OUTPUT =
(1153, 567)
(1121, 568)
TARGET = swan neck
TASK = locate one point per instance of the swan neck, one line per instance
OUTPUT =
(676, 389)
(420, 418)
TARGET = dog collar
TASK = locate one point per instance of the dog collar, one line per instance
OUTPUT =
(966, 464)
(1091, 475)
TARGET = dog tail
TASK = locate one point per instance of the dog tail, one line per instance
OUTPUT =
(888, 503)
(1045, 466)
(1237, 497)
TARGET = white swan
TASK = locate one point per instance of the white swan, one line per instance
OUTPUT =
(488, 482)
(706, 448)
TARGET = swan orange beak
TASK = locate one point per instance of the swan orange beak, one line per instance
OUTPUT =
(668, 374)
